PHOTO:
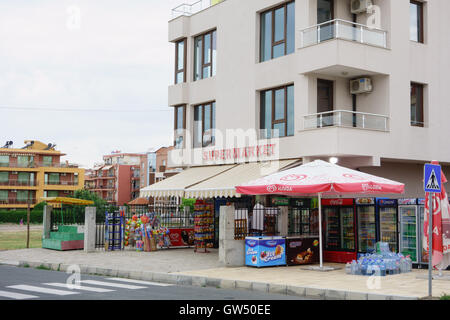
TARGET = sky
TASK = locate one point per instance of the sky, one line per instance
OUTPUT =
(90, 76)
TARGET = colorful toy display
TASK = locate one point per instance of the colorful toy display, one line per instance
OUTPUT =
(144, 232)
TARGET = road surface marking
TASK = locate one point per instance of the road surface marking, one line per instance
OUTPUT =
(14, 295)
(141, 282)
(64, 285)
(42, 290)
(110, 284)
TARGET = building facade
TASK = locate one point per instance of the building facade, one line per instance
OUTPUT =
(362, 81)
(35, 171)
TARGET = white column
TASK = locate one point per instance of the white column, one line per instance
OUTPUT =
(89, 229)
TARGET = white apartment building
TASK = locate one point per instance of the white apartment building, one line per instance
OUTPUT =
(363, 81)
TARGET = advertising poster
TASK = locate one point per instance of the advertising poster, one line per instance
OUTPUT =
(265, 252)
(181, 237)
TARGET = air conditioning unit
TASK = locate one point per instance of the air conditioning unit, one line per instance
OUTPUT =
(362, 85)
(360, 6)
(15, 191)
(15, 172)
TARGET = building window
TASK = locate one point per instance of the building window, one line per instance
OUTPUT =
(277, 32)
(277, 112)
(204, 125)
(3, 195)
(179, 126)
(4, 161)
(25, 161)
(416, 21)
(51, 178)
(417, 118)
(205, 55)
(47, 161)
(22, 195)
(180, 61)
(4, 176)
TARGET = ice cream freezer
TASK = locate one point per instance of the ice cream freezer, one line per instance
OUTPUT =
(265, 251)
(302, 250)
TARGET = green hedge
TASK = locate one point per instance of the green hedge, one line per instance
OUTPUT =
(15, 216)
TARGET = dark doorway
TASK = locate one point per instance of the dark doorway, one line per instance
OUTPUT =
(325, 102)
(325, 13)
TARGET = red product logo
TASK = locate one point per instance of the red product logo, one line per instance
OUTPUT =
(294, 177)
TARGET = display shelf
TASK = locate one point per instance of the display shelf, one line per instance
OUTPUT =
(203, 225)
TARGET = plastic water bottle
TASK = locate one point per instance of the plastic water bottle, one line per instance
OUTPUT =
(364, 267)
(409, 262)
(382, 269)
(348, 268)
(354, 267)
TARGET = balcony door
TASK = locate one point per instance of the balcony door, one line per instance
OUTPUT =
(325, 102)
(325, 12)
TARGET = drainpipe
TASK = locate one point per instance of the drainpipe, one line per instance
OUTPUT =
(354, 102)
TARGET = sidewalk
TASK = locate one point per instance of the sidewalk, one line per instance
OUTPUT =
(184, 267)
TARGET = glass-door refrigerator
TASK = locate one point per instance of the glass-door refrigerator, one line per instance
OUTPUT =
(388, 222)
(339, 230)
(367, 224)
(299, 218)
(423, 255)
(409, 228)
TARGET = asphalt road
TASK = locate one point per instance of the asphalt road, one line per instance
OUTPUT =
(35, 284)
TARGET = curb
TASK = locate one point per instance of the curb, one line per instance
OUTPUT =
(203, 281)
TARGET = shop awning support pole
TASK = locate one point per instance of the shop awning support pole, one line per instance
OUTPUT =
(320, 229)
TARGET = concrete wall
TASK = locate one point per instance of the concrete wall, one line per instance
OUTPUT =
(231, 252)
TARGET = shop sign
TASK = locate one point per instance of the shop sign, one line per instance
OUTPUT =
(301, 203)
(266, 150)
(387, 202)
(407, 201)
(365, 201)
(280, 201)
(337, 202)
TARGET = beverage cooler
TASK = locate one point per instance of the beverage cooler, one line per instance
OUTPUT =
(408, 211)
(388, 222)
(339, 230)
(367, 224)
(423, 255)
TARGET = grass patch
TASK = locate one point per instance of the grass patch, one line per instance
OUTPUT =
(18, 240)
(445, 297)
(42, 267)
(26, 265)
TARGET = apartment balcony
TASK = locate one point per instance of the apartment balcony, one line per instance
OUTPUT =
(346, 119)
(61, 183)
(17, 201)
(343, 48)
(19, 183)
(188, 9)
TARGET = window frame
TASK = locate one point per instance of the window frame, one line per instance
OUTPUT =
(204, 65)
(177, 67)
(420, 88)
(273, 121)
(175, 126)
(212, 105)
(420, 22)
(272, 31)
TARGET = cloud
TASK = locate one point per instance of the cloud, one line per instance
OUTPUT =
(118, 58)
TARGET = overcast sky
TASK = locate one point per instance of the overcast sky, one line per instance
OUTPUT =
(86, 56)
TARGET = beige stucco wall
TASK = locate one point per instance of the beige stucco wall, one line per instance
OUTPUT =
(240, 77)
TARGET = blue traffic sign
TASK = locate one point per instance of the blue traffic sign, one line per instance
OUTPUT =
(432, 178)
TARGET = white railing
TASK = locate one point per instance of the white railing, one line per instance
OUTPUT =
(342, 29)
(347, 119)
(187, 9)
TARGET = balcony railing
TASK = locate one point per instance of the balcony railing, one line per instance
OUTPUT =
(347, 119)
(18, 183)
(187, 9)
(33, 164)
(342, 29)
(61, 183)
(17, 201)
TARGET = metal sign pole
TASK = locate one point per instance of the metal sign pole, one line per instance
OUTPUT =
(430, 244)
(320, 228)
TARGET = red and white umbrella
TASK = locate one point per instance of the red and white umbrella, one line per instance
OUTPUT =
(321, 178)
(441, 226)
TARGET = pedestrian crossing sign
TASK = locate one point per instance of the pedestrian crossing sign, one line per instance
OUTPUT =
(432, 178)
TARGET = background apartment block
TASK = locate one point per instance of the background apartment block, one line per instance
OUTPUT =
(363, 81)
(120, 177)
(35, 171)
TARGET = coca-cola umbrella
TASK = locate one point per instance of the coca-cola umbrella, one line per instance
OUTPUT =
(322, 179)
